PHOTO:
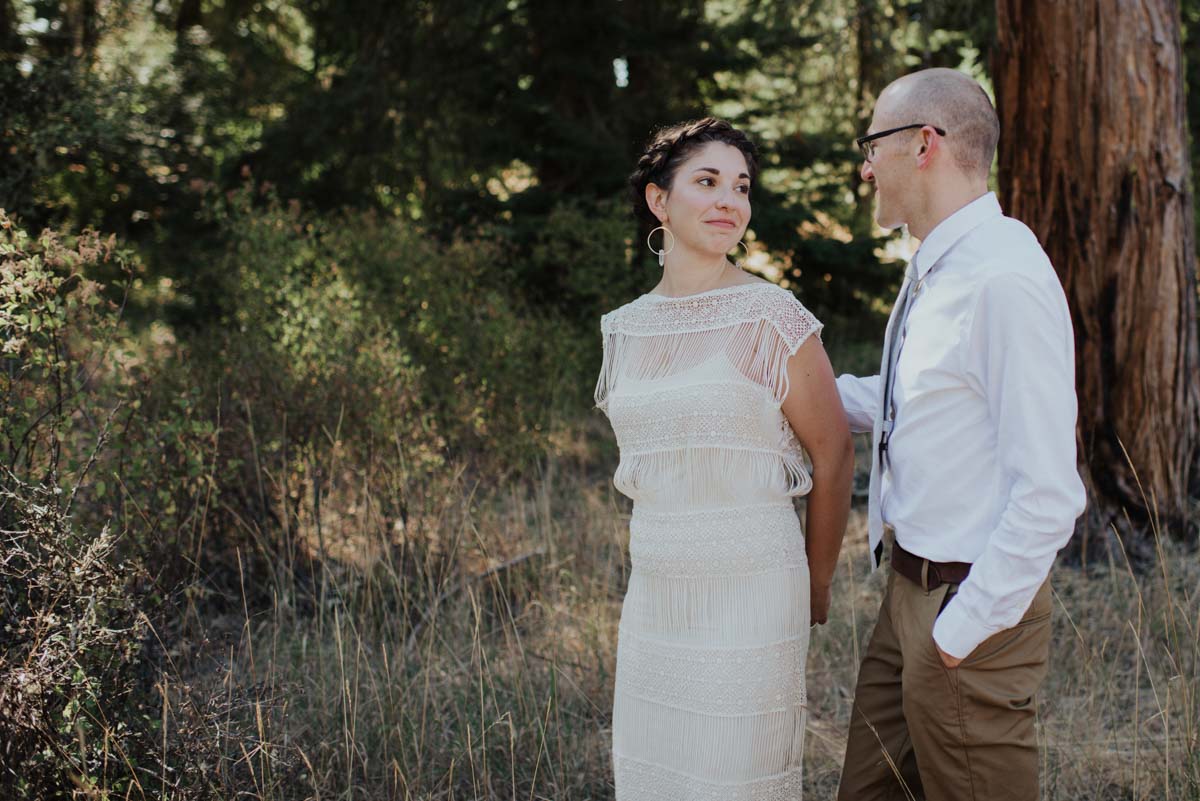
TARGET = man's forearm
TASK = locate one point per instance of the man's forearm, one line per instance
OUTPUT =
(860, 398)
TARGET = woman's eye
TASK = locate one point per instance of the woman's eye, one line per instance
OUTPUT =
(744, 189)
(707, 181)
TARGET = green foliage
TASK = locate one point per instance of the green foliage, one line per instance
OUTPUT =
(424, 111)
(65, 392)
(581, 257)
(92, 144)
(347, 338)
(496, 372)
(51, 316)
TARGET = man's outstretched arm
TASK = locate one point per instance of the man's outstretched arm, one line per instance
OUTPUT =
(860, 398)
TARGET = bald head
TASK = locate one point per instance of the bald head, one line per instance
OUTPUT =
(951, 101)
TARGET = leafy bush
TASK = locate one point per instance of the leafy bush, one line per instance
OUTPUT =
(372, 300)
(50, 313)
(79, 711)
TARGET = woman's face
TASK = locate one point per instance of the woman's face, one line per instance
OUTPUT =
(708, 206)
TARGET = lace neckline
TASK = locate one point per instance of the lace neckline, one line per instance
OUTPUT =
(721, 290)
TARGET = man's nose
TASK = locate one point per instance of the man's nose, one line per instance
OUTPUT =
(866, 172)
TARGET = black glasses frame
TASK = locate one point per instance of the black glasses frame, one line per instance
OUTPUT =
(866, 143)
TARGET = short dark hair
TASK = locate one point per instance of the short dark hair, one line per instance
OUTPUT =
(671, 146)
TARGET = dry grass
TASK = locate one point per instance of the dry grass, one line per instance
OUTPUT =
(472, 656)
(1118, 714)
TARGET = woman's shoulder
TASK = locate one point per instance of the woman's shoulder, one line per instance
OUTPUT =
(609, 320)
(783, 310)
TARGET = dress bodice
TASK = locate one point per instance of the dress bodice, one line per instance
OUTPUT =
(693, 387)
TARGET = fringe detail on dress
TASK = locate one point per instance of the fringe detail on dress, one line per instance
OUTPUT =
(724, 611)
(711, 476)
(756, 330)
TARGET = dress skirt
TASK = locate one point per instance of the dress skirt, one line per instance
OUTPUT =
(710, 697)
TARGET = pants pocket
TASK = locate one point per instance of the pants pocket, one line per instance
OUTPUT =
(1029, 637)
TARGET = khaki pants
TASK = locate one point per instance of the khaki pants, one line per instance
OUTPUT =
(919, 730)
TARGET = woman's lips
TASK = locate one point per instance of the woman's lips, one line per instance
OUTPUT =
(722, 224)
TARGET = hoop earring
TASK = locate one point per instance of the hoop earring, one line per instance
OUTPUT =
(739, 262)
(662, 254)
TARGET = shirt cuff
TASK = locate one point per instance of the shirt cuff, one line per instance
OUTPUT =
(957, 633)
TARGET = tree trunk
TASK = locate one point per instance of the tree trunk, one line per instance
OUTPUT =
(191, 13)
(867, 48)
(82, 24)
(8, 31)
(1094, 158)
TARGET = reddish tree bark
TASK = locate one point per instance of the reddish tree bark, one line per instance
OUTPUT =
(1094, 158)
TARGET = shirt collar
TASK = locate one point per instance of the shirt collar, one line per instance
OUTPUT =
(946, 233)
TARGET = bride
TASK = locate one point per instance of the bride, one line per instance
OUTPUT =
(714, 383)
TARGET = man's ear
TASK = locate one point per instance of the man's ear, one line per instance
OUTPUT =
(928, 144)
(656, 199)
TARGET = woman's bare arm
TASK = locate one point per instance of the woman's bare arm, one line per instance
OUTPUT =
(815, 412)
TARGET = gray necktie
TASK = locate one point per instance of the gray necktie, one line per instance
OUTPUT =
(893, 340)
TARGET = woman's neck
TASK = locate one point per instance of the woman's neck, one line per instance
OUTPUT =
(689, 273)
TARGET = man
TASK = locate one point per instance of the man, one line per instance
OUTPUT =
(973, 471)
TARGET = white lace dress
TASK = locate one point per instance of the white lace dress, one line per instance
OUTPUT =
(710, 697)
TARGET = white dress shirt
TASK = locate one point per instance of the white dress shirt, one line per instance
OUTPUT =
(981, 464)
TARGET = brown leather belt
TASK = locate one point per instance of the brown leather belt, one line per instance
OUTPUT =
(926, 574)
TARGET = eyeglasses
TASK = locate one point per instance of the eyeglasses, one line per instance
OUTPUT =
(867, 143)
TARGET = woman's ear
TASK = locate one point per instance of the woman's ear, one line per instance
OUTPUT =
(656, 199)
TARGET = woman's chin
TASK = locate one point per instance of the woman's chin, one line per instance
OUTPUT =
(708, 249)
(720, 245)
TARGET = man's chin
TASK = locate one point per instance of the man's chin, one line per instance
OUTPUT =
(887, 223)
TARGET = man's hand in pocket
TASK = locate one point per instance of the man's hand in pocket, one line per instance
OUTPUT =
(950, 662)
